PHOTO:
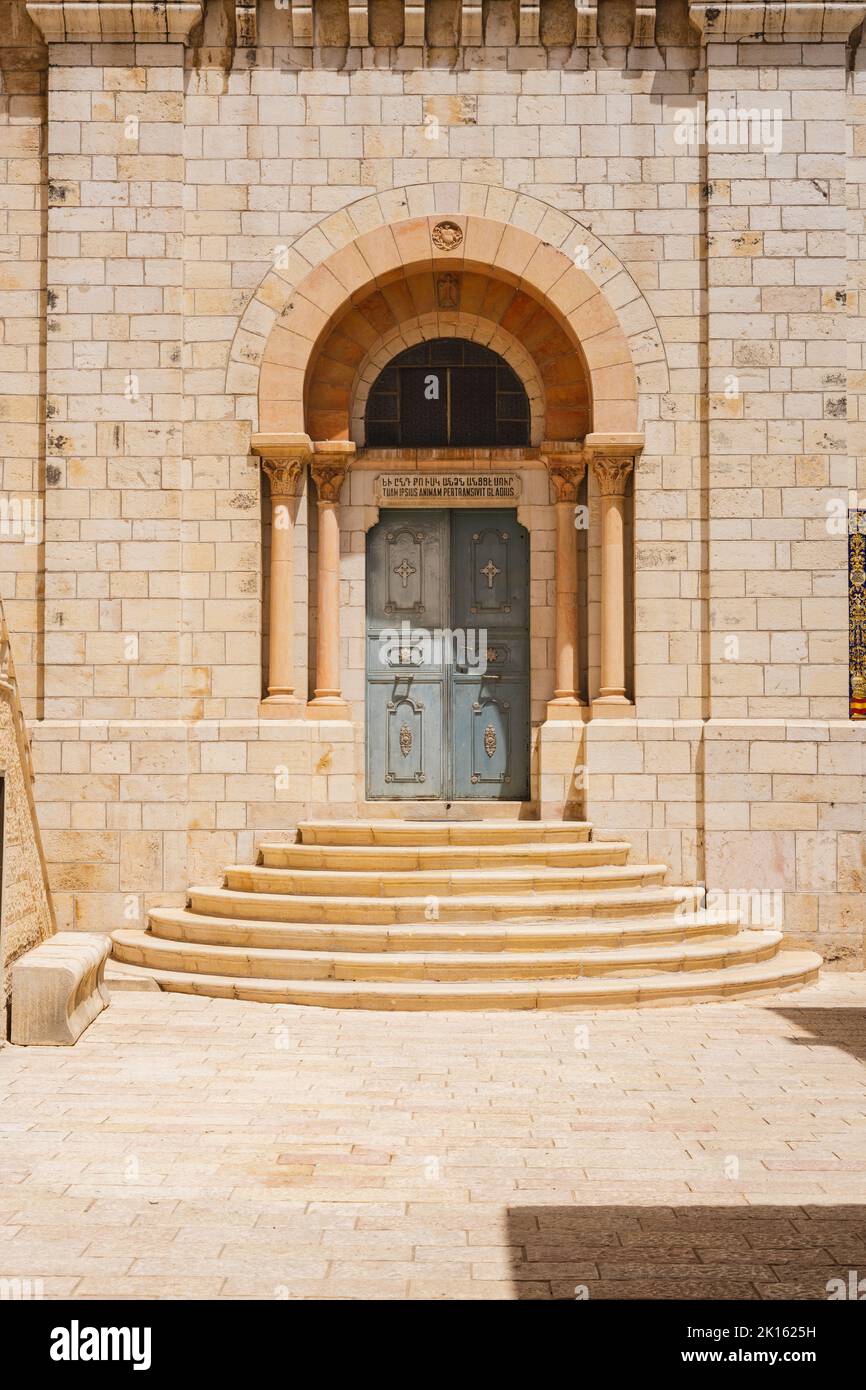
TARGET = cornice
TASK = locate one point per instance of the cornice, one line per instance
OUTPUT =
(776, 21)
(115, 21)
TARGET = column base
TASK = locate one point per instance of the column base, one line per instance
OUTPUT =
(328, 707)
(282, 707)
(612, 707)
(565, 708)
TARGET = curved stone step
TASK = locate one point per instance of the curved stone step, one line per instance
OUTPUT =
(135, 947)
(786, 970)
(180, 924)
(414, 833)
(254, 878)
(406, 858)
(297, 907)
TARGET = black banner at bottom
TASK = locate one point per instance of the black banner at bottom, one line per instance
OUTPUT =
(228, 1339)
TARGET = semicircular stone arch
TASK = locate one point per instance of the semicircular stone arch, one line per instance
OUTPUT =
(384, 238)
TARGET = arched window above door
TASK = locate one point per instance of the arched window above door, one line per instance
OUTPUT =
(447, 392)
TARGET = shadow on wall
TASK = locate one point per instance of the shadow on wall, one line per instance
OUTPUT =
(720, 1253)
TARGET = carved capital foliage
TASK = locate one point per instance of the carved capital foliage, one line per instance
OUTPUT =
(329, 474)
(284, 475)
(566, 475)
(611, 473)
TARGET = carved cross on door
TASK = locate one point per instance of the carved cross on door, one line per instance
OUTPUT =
(404, 570)
(491, 572)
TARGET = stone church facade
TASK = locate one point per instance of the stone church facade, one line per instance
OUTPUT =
(223, 222)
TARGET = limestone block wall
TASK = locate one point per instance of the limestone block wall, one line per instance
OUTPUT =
(23, 306)
(186, 162)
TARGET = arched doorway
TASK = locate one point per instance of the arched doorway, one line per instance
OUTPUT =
(447, 623)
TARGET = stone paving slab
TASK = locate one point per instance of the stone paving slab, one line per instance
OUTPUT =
(204, 1148)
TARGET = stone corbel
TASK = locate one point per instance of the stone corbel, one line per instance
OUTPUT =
(302, 24)
(115, 21)
(413, 23)
(530, 19)
(246, 29)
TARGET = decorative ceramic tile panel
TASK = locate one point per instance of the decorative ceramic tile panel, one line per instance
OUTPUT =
(857, 612)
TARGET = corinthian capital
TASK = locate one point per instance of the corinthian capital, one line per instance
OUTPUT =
(330, 466)
(283, 475)
(611, 474)
(566, 469)
(283, 457)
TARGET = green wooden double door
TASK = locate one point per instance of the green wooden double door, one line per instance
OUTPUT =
(447, 660)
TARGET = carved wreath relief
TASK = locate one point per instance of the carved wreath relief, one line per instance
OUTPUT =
(447, 236)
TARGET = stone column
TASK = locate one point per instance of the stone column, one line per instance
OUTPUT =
(284, 459)
(611, 473)
(329, 469)
(566, 471)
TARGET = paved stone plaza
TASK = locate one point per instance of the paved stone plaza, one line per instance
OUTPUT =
(203, 1148)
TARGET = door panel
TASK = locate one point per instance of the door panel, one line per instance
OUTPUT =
(407, 588)
(491, 727)
(490, 588)
(447, 719)
(404, 744)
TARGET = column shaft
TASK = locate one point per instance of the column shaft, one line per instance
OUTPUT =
(329, 469)
(566, 603)
(328, 643)
(612, 598)
(281, 680)
(566, 474)
(612, 474)
(284, 471)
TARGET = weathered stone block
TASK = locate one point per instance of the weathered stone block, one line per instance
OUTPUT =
(58, 989)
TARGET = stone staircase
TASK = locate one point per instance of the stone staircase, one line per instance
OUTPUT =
(454, 915)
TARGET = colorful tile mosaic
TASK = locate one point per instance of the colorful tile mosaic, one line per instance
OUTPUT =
(857, 612)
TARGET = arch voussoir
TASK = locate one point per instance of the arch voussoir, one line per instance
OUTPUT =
(384, 237)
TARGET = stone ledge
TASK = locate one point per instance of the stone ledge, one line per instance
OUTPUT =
(58, 989)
